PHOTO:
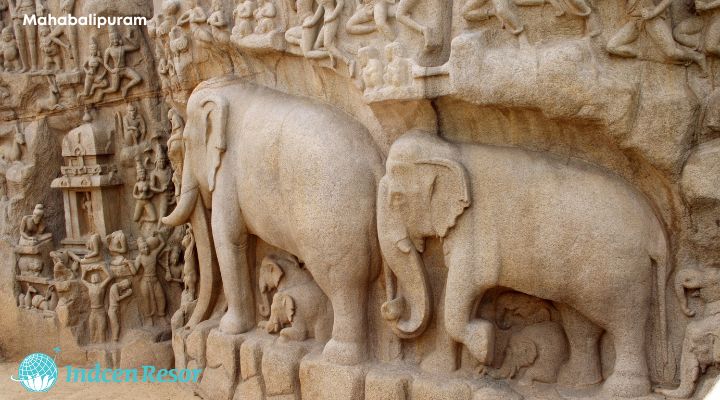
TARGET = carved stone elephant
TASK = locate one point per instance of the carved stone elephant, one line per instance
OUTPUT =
(299, 309)
(287, 170)
(550, 227)
(537, 352)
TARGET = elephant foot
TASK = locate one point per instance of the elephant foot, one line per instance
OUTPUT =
(577, 372)
(480, 340)
(682, 392)
(343, 353)
(233, 324)
(626, 384)
(293, 334)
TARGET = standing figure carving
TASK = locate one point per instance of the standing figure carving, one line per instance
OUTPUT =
(143, 194)
(118, 292)
(152, 296)
(26, 34)
(8, 48)
(96, 291)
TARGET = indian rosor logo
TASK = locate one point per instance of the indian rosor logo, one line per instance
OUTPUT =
(37, 373)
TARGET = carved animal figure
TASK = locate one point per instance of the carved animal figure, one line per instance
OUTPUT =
(299, 308)
(536, 352)
(278, 167)
(559, 230)
(701, 345)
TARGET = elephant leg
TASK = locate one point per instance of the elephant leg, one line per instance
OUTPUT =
(345, 284)
(231, 245)
(630, 376)
(462, 292)
(583, 368)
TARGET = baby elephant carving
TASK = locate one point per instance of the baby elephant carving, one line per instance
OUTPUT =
(299, 309)
(539, 350)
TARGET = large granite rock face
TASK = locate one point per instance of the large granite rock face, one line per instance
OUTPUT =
(371, 199)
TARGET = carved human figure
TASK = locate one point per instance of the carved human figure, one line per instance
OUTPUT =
(503, 10)
(165, 71)
(244, 15)
(143, 194)
(197, 19)
(326, 43)
(371, 16)
(701, 32)
(67, 7)
(163, 30)
(93, 245)
(402, 15)
(171, 263)
(579, 8)
(371, 67)
(134, 127)
(117, 246)
(151, 291)
(176, 147)
(61, 271)
(647, 16)
(114, 61)
(26, 34)
(218, 23)
(118, 292)
(32, 227)
(15, 152)
(161, 183)
(50, 47)
(180, 49)
(9, 50)
(96, 292)
(397, 71)
(303, 35)
(702, 334)
(94, 78)
(265, 15)
(190, 266)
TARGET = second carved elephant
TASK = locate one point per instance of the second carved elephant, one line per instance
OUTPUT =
(550, 227)
(286, 170)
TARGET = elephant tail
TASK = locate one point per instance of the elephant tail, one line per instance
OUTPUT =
(660, 258)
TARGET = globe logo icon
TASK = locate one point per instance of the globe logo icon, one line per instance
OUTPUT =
(37, 373)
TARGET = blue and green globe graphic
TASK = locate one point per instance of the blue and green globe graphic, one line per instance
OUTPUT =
(37, 373)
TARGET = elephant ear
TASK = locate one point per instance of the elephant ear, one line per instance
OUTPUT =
(215, 113)
(525, 352)
(449, 193)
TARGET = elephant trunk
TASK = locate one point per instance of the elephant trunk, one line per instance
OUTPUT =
(264, 304)
(501, 318)
(406, 263)
(186, 203)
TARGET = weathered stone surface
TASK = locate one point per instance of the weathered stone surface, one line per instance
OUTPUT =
(348, 382)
